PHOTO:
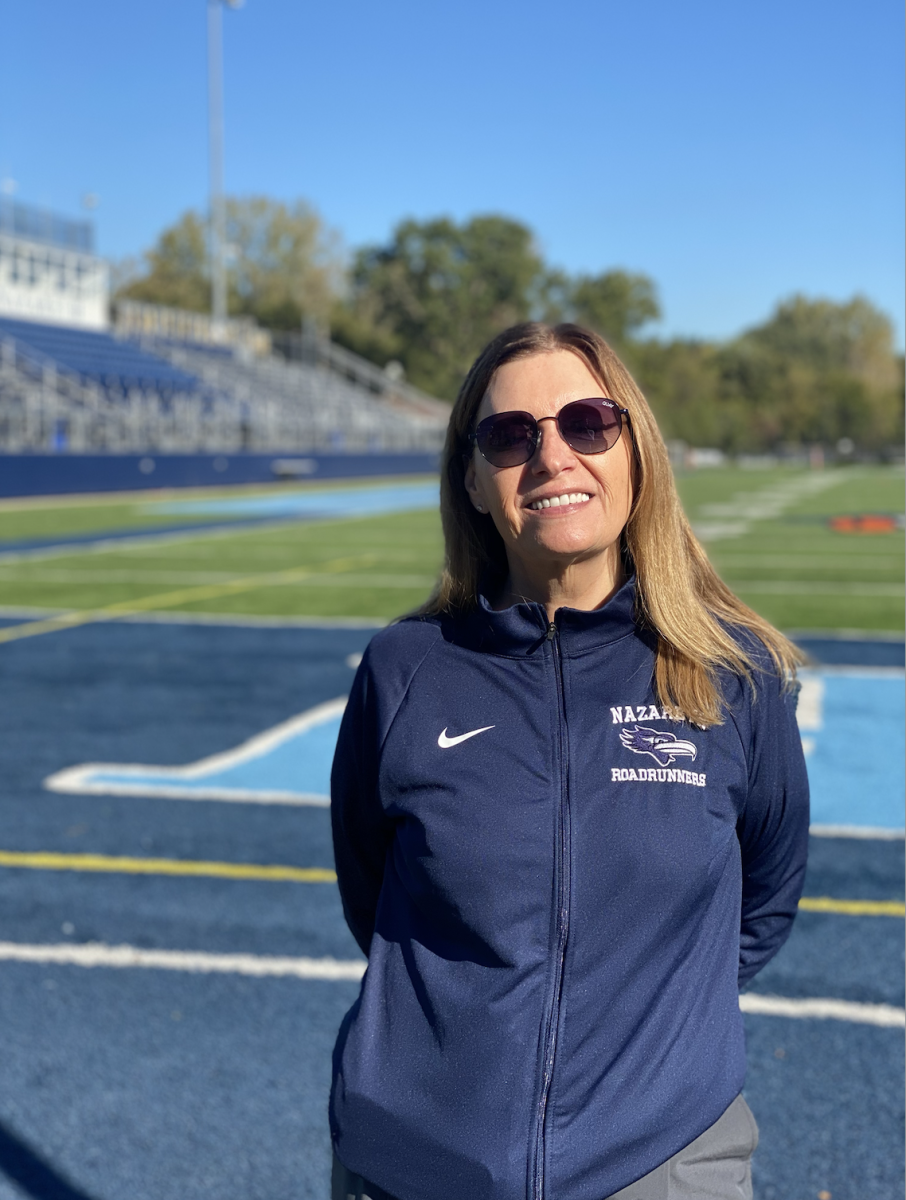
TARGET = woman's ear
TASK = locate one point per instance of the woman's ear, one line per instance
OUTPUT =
(473, 487)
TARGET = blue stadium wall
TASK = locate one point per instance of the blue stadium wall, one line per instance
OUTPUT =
(64, 474)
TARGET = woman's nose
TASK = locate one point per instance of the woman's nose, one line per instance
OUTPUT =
(552, 454)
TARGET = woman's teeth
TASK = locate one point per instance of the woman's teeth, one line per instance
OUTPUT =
(558, 501)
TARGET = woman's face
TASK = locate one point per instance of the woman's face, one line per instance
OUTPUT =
(545, 540)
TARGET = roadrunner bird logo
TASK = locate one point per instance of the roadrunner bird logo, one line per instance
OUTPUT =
(663, 747)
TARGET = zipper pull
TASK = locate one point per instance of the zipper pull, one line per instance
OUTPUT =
(551, 631)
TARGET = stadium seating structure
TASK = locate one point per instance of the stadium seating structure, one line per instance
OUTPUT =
(76, 390)
(97, 357)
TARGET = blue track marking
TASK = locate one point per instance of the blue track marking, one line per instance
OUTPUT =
(289, 764)
(885, 651)
(239, 513)
(310, 505)
(39, 546)
(853, 733)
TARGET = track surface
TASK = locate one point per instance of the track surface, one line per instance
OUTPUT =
(158, 1084)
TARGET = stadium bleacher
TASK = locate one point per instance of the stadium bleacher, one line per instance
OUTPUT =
(169, 381)
(80, 390)
(97, 357)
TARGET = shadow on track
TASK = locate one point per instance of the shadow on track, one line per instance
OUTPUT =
(19, 1163)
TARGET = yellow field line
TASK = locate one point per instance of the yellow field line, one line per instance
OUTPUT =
(113, 864)
(44, 861)
(190, 595)
(853, 908)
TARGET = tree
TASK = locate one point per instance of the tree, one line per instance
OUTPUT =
(176, 268)
(283, 264)
(817, 371)
(438, 292)
(286, 264)
(614, 304)
(854, 337)
(813, 373)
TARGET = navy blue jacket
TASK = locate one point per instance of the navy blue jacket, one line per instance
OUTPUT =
(557, 910)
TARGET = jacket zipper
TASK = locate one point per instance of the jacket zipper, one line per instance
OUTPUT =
(563, 884)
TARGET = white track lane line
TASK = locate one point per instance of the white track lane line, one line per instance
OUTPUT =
(835, 1010)
(97, 954)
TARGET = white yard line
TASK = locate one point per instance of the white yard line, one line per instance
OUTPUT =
(892, 562)
(137, 542)
(128, 576)
(792, 587)
(801, 587)
(846, 635)
(66, 575)
(716, 522)
(240, 620)
(97, 954)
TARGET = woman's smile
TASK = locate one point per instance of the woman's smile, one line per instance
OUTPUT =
(560, 504)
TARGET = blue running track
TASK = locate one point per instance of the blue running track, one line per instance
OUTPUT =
(184, 1085)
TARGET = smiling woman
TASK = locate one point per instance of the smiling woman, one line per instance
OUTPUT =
(562, 514)
(570, 818)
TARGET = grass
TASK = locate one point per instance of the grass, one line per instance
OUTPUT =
(766, 531)
(792, 567)
(47, 518)
(371, 551)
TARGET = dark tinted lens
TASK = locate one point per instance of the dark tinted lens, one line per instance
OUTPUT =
(589, 426)
(507, 439)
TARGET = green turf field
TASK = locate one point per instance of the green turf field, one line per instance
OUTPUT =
(50, 517)
(766, 531)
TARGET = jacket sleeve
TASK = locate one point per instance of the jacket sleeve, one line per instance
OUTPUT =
(361, 831)
(773, 830)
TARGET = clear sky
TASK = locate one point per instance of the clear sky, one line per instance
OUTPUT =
(736, 153)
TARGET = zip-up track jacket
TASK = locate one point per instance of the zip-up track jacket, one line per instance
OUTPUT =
(559, 889)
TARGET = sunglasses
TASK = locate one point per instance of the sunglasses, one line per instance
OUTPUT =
(509, 439)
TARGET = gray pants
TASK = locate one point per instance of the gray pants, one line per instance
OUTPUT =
(716, 1166)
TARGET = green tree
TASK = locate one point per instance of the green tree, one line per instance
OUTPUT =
(283, 264)
(813, 373)
(817, 371)
(438, 292)
(175, 268)
(615, 304)
(286, 265)
(854, 337)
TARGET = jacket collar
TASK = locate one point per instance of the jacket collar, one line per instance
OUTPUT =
(522, 630)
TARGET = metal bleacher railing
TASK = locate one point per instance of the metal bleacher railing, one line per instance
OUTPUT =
(150, 387)
(39, 225)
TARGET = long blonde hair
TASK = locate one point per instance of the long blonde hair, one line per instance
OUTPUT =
(679, 595)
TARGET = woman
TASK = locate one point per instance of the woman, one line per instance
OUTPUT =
(570, 819)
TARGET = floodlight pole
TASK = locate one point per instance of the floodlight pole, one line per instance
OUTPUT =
(215, 146)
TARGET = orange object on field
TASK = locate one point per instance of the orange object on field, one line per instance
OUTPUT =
(864, 523)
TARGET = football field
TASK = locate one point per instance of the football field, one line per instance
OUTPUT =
(373, 551)
(173, 957)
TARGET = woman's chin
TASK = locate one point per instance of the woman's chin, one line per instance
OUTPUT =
(559, 546)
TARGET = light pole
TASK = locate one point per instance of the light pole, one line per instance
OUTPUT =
(215, 147)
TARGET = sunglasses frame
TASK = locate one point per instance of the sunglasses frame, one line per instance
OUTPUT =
(535, 441)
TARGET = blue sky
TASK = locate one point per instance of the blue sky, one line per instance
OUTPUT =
(735, 153)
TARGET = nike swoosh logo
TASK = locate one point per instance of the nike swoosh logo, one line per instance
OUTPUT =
(446, 742)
